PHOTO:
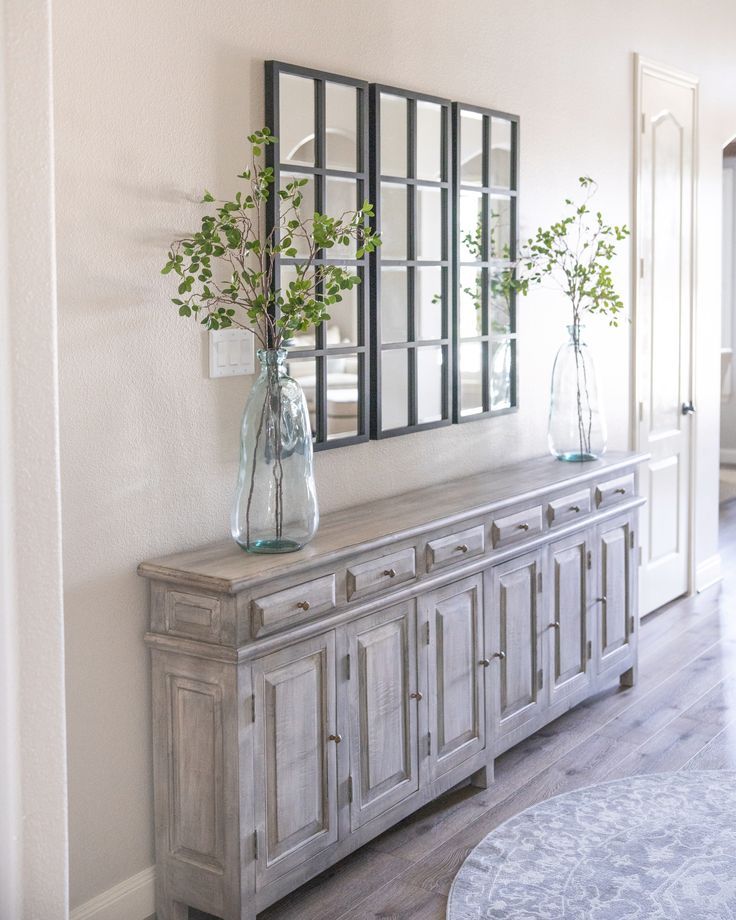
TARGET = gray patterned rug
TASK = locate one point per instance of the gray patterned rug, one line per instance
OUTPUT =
(659, 847)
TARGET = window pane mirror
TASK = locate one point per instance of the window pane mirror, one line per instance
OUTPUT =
(321, 122)
(410, 187)
(485, 172)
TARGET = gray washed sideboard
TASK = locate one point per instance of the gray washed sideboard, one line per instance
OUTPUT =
(304, 703)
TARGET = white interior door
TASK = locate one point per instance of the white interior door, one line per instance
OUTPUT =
(666, 124)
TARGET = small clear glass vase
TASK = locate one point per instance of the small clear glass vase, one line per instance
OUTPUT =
(275, 507)
(577, 427)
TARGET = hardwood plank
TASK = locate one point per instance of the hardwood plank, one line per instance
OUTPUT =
(718, 754)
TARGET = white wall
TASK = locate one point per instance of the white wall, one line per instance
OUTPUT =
(33, 817)
(728, 306)
(153, 102)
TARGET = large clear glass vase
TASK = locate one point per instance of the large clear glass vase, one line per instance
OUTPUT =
(577, 427)
(275, 507)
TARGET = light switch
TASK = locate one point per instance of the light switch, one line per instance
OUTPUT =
(231, 353)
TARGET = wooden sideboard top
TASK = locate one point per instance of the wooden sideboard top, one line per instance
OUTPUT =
(225, 567)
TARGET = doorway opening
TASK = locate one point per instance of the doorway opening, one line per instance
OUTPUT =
(727, 483)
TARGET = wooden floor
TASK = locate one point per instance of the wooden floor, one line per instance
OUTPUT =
(680, 716)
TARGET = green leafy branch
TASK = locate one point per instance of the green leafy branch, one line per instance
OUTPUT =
(226, 268)
(575, 252)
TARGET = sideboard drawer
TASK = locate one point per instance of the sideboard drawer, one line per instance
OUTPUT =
(293, 604)
(379, 574)
(455, 547)
(615, 490)
(568, 508)
(516, 527)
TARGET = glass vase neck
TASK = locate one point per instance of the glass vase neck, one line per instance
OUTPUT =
(272, 357)
(575, 331)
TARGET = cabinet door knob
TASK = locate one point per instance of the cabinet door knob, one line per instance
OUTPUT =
(602, 600)
(619, 491)
(499, 655)
(688, 408)
(336, 738)
(416, 695)
(556, 624)
(390, 572)
(575, 508)
(485, 662)
(523, 527)
(303, 605)
(463, 548)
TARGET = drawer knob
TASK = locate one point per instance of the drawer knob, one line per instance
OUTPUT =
(416, 695)
(499, 655)
(619, 491)
(602, 600)
(523, 527)
(485, 662)
(303, 605)
(463, 548)
(575, 508)
(336, 738)
(390, 572)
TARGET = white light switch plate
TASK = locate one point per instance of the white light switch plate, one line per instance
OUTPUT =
(231, 353)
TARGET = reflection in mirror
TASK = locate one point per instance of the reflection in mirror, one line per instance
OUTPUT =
(471, 148)
(343, 376)
(306, 209)
(501, 374)
(499, 244)
(471, 378)
(470, 302)
(394, 388)
(429, 384)
(428, 302)
(393, 135)
(429, 223)
(429, 141)
(341, 195)
(296, 119)
(471, 226)
(394, 323)
(342, 326)
(500, 304)
(304, 339)
(501, 153)
(304, 371)
(341, 126)
(393, 221)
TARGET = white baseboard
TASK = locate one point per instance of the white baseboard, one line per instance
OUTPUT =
(728, 455)
(708, 572)
(132, 899)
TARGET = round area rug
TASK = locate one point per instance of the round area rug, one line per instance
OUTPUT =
(659, 847)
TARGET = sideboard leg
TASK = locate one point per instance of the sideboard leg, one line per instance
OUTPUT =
(172, 910)
(628, 678)
(482, 778)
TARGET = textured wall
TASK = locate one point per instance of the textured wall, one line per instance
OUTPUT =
(153, 101)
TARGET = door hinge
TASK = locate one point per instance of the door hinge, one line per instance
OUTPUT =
(252, 707)
(590, 649)
(641, 267)
(643, 122)
(632, 539)
(640, 556)
(540, 679)
(347, 667)
(590, 560)
(255, 844)
(641, 411)
(350, 789)
(426, 633)
(631, 623)
(429, 743)
(539, 582)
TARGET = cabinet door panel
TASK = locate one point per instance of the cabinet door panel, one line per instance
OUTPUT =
(569, 627)
(294, 761)
(383, 718)
(615, 602)
(518, 638)
(456, 675)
